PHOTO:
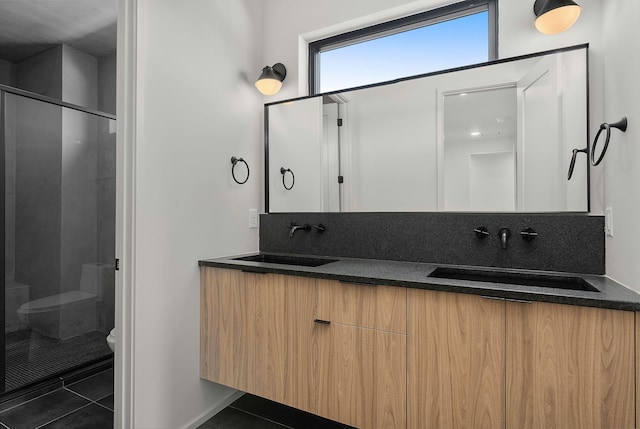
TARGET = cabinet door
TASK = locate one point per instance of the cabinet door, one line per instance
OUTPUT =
(569, 367)
(455, 359)
(284, 329)
(227, 340)
(368, 306)
(361, 376)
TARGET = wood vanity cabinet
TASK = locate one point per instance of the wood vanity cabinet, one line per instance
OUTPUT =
(255, 334)
(361, 373)
(569, 367)
(261, 333)
(455, 360)
(389, 357)
(482, 363)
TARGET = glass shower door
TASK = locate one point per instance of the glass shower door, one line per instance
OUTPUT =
(59, 232)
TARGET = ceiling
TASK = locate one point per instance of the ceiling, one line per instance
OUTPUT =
(28, 27)
(480, 115)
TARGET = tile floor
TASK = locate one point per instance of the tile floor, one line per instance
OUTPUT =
(87, 403)
(252, 412)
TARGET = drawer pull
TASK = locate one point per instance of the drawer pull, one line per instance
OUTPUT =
(496, 298)
(349, 282)
(322, 322)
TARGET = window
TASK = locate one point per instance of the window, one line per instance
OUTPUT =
(453, 36)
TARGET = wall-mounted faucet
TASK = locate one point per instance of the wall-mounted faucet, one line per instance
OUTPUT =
(294, 227)
(504, 234)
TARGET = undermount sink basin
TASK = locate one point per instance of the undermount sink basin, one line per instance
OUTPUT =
(525, 279)
(286, 260)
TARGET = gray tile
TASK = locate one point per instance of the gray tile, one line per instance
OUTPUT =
(283, 414)
(230, 418)
(96, 387)
(107, 402)
(42, 410)
(91, 416)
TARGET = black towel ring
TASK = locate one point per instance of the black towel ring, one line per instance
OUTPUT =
(284, 171)
(621, 125)
(235, 161)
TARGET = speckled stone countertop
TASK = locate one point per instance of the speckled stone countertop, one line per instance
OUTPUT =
(416, 275)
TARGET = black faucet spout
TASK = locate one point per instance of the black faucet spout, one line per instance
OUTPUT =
(294, 227)
(504, 234)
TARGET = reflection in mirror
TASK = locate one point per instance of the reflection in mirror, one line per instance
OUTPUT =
(479, 169)
(498, 138)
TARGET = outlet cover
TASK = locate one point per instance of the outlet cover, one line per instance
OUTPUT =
(608, 221)
(253, 218)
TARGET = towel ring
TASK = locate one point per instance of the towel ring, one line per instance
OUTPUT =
(573, 160)
(621, 125)
(284, 171)
(235, 161)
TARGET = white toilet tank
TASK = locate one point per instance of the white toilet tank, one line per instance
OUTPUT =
(97, 278)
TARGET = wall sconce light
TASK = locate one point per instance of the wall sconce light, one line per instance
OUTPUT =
(270, 80)
(555, 16)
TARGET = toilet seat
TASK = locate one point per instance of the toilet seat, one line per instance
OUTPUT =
(48, 303)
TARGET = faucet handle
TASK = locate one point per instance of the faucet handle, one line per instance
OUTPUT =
(528, 234)
(481, 232)
(320, 228)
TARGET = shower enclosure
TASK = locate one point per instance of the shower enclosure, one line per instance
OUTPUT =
(59, 228)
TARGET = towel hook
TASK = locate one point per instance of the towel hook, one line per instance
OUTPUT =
(284, 171)
(621, 125)
(234, 162)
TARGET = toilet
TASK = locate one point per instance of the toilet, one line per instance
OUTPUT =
(111, 340)
(71, 313)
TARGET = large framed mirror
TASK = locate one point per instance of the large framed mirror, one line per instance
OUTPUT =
(494, 137)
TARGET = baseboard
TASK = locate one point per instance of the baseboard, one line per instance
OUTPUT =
(224, 403)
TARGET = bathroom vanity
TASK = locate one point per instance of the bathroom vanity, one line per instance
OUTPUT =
(497, 333)
(382, 344)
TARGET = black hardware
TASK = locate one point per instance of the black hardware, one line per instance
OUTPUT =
(621, 125)
(294, 227)
(283, 171)
(528, 234)
(339, 122)
(235, 161)
(340, 179)
(481, 232)
(573, 160)
(504, 234)
(322, 322)
(359, 283)
(320, 228)
(117, 264)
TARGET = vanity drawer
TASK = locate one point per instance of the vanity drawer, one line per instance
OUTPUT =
(369, 306)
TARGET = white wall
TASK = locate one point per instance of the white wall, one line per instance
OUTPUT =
(392, 148)
(196, 107)
(295, 138)
(622, 162)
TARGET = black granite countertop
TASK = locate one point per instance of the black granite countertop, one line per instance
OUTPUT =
(610, 294)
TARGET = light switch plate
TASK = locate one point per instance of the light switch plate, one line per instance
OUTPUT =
(608, 221)
(253, 218)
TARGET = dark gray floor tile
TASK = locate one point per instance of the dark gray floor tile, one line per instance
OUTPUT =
(42, 410)
(231, 418)
(107, 402)
(95, 387)
(90, 417)
(283, 414)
